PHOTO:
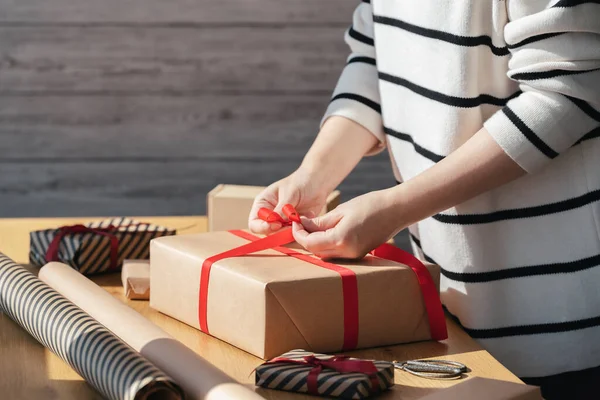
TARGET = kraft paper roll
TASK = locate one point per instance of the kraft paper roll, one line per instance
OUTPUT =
(199, 379)
(105, 362)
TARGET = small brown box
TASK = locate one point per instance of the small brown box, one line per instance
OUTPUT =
(229, 206)
(136, 279)
(477, 388)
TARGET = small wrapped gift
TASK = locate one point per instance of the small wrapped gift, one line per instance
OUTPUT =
(96, 247)
(135, 277)
(322, 375)
(268, 299)
(229, 206)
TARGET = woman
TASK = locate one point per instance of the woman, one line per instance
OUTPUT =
(490, 112)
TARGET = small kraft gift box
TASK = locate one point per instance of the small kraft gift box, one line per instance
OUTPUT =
(228, 206)
(322, 375)
(97, 247)
(135, 277)
(268, 299)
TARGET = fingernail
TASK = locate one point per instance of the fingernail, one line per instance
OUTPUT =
(275, 226)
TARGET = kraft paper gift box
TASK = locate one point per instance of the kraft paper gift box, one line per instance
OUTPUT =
(135, 277)
(97, 247)
(229, 206)
(292, 372)
(477, 388)
(268, 303)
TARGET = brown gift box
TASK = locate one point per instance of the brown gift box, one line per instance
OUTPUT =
(229, 206)
(135, 277)
(268, 303)
(489, 389)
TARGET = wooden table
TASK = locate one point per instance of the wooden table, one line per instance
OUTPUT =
(29, 371)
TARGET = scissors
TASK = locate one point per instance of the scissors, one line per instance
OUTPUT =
(433, 369)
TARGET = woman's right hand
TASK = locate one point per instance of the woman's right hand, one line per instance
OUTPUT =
(298, 189)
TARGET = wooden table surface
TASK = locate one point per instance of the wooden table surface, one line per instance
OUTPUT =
(29, 371)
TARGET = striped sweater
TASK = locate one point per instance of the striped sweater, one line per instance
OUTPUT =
(521, 263)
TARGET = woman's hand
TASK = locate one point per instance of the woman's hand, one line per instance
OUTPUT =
(299, 189)
(354, 228)
(340, 145)
(358, 226)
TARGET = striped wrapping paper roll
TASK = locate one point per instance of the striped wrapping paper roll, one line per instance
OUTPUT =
(104, 361)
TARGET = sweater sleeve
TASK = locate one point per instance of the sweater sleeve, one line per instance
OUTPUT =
(356, 95)
(555, 58)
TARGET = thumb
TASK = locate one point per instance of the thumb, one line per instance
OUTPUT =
(321, 223)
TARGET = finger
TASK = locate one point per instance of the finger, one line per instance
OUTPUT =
(262, 227)
(339, 254)
(314, 242)
(267, 199)
(258, 226)
(263, 200)
(330, 254)
(283, 201)
(322, 223)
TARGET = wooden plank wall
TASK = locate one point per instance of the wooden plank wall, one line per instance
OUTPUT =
(123, 107)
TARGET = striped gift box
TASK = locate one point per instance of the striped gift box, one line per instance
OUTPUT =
(292, 372)
(91, 252)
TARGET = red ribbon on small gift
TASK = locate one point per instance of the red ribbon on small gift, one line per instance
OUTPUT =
(107, 231)
(342, 364)
(433, 305)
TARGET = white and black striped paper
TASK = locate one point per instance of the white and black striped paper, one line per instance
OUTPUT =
(104, 361)
(89, 253)
(292, 378)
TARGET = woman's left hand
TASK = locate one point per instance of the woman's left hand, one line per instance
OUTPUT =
(354, 228)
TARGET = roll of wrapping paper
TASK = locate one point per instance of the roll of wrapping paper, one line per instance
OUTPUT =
(199, 379)
(103, 360)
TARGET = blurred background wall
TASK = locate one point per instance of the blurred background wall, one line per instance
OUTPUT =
(140, 107)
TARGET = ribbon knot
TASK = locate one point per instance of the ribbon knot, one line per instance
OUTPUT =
(341, 364)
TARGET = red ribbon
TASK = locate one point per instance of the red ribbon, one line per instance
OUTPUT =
(431, 297)
(52, 252)
(271, 216)
(337, 363)
(107, 231)
(433, 305)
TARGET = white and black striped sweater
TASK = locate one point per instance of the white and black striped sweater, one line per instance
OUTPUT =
(521, 264)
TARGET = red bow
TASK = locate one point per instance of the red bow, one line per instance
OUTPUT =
(341, 364)
(271, 216)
